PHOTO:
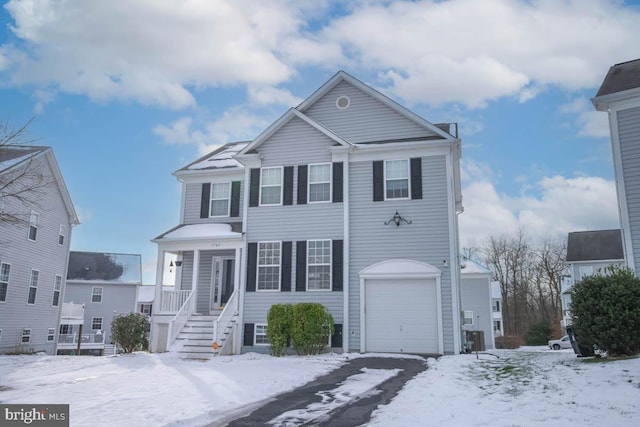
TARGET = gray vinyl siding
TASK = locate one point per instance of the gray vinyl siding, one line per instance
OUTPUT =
(117, 299)
(425, 240)
(193, 200)
(476, 297)
(629, 132)
(366, 119)
(45, 255)
(296, 143)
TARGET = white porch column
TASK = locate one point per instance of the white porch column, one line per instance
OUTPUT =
(194, 279)
(159, 280)
(236, 270)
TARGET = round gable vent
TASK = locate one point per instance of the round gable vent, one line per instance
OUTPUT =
(343, 102)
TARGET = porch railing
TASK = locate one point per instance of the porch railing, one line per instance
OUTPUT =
(225, 324)
(180, 319)
(173, 301)
(84, 338)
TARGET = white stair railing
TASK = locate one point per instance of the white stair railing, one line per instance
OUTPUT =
(179, 320)
(173, 301)
(225, 323)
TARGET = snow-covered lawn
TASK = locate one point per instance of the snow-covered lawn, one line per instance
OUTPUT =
(527, 387)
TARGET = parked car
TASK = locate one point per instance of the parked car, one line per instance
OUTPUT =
(563, 342)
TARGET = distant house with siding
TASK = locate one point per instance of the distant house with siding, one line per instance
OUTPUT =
(106, 285)
(619, 96)
(475, 285)
(34, 250)
(349, 200)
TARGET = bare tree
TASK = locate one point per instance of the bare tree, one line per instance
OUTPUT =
(22, 180)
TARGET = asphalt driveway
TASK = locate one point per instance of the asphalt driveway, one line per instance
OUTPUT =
(342, 398)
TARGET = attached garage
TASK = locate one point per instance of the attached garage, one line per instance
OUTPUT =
(400, 308)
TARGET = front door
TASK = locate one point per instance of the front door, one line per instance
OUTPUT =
(227, 279)
(222, 278)
(216, 282)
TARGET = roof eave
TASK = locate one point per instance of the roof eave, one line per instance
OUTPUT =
(603, 102)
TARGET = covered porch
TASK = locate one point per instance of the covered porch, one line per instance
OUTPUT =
(198, 273)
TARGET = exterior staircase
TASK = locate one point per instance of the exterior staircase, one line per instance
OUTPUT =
(196, 337)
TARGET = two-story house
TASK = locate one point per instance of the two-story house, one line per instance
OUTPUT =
(349, 200)
(36, 218)
(477, 306)
(588, 253)
(104, 285)
(619, 95)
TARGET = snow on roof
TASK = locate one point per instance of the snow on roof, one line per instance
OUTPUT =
(146, 293)
(471, 267)
(220, 158)
(200, 231)
(496, 291)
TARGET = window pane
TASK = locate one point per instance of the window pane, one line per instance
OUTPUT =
(261, 334)
(319, 192)
(219, 207)
(269, 266)
(4, 272)
(320, 173)
(319, 265)
(32, 296)
(397, 169)
(271, 176)
(397, 189)
(270, 196)
(220, 191)
(319, 277)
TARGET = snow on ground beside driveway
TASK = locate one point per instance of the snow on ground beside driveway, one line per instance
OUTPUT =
(532, 386)
(528, 387)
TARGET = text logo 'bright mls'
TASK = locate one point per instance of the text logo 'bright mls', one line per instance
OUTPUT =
(36, 415)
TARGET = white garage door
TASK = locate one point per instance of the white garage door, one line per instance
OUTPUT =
(401, 316)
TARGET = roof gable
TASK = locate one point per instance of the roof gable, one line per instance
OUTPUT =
(595, 245)
(621, 77)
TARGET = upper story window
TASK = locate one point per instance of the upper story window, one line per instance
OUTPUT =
(319, 265)
(468, 317)
(320, 183)
(34, 219)
(62, 232)
(220, 199)
(396, 179)
(269, 266)
(271, 186)
(496, 306)
(33, 286)
(5, 269)
(96, 294)
(57, 288)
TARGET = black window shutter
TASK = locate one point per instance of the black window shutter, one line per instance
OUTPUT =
(337, 255)
(205, 200)
(285, 276)
(235, 199)
(252, 260)
(287, 198)
(336, 338)
(248, 334)
(301, 266)
(302, 184)
(378, 181)
(416, 178)
(337, 182)
(254, 188)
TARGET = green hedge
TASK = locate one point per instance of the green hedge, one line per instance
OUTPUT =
(279, 328)
(308, 325)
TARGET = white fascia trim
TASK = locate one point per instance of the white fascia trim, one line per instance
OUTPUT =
(621, 190)
(57, 174)
(439, 316)
(615, 100)
(273, 128)
(454, 259)
(400, 150)
(363, 332)
(249, 161)
(209, 175)
(344, 157)
(183, 201)
(322, 129)
(237, 343)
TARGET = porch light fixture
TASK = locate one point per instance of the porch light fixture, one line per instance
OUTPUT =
(397, 219)
(178, 263)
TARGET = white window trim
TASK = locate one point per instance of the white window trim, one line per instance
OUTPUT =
(384, 170)
(268, 265)
(211, 199)
(330, 265)
(62, 232)
(28, 335)
(35, 297)
(93, 321)
(465, 317)
(281, 185)
(33, 224)
(0, 335)
(7, 282)
(51, 333)
(93, 292)
(330, 182)
(57, 287)
(255, 335)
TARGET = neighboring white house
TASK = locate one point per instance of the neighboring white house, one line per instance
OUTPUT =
(105, 285)
(496, 309)
(478, 319)
(619, 95)
(588, 253)
(349, 200)
(35, 250)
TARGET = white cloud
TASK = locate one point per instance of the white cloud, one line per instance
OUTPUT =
(561, 205)
(269, 95)
(589, 122)
(235, 124)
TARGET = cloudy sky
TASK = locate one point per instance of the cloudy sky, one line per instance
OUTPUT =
(126, 92)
